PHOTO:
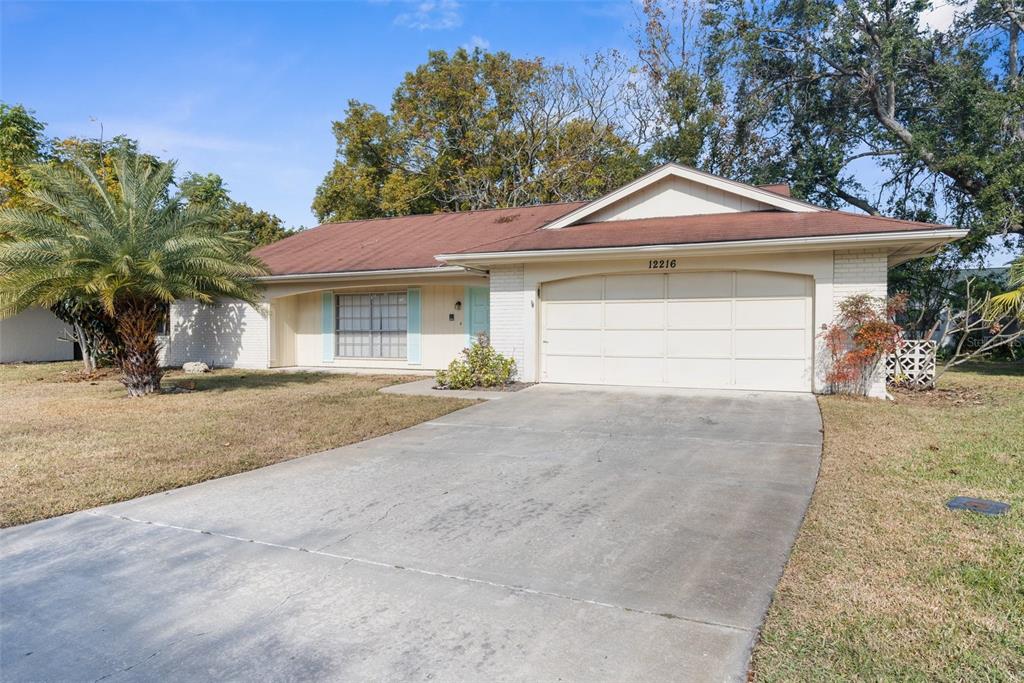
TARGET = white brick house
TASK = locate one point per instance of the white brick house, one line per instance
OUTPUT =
(678, 279)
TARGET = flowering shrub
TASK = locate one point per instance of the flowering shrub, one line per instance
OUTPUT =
(481, 366)
(859, 339)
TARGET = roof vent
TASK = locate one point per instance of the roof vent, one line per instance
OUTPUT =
(979, 505)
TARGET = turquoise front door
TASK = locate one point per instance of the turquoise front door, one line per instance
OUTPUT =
(478, 313)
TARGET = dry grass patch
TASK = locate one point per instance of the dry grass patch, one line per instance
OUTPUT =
(69, 444)
(884, 582)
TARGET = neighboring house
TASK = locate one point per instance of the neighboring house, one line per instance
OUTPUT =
(34, 335)
(679, 279)
(984, 279)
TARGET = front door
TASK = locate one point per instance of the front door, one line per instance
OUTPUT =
(478, 313)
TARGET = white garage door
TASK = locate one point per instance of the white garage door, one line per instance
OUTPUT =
(724, 330)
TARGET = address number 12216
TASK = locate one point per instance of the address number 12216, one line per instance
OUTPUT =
(661, 263)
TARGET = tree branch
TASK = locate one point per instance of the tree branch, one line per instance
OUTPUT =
(854, 200)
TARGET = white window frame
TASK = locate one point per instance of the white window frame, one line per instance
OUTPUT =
(371, 325)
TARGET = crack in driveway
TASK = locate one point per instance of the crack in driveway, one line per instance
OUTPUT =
(131, 667)
(635, 436)
(348, 559)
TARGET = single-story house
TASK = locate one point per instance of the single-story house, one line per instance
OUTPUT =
(34, 335)
(678, 279)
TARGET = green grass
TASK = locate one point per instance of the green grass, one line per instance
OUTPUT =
(67, 444)
(885, 583)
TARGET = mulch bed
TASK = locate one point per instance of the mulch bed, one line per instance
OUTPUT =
(77, 376)
(934, 397)
(514, 386)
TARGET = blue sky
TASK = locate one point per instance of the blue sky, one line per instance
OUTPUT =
(249, 89)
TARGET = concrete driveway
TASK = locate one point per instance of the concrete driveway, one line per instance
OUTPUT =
(557, 534)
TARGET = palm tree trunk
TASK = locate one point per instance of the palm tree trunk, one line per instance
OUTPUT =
(88, 361)
(139, 360)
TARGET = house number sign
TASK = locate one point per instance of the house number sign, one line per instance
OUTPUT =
(661, 263)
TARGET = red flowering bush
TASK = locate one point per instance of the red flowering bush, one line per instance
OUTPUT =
(859, 339)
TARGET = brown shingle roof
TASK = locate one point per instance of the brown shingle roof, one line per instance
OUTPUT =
(721, 227)
(401, 242)
(414, 241)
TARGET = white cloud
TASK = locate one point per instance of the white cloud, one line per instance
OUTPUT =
(477, 42)
(432, 15)
(168, 140)
(940, 16)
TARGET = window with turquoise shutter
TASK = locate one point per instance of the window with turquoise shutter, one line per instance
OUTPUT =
(372, 325)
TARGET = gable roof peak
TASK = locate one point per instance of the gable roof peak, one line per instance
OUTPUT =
(763, 198)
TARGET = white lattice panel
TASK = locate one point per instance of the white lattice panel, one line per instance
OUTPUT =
(912, 364)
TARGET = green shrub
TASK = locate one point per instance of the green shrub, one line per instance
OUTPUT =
(480, 366)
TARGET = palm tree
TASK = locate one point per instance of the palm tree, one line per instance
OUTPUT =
(1014, 299)
(124, 244)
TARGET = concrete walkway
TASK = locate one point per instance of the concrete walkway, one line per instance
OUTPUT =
(558, 534)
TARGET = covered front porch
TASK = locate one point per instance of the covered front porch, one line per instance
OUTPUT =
(381, 322)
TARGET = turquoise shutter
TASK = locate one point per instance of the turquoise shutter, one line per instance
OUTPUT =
(413, 349)
(327, 319)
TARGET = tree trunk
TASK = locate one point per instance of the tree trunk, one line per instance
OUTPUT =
(138, 360)
(88, 360)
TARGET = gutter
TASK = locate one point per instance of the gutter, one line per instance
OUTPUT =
(947, 235)
(353, 274)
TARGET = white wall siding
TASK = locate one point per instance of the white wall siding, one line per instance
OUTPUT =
(508, 313)
(228, 334)
(861, 271)
(34, 336)
(674, 196)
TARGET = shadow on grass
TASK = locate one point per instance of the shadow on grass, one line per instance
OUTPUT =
(993, 367)
(236, 380)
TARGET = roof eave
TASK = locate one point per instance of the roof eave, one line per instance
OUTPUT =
(925, 240)
(368, 274)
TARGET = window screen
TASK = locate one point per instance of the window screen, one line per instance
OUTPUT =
(370, 325)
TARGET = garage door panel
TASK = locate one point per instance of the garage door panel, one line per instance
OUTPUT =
(699, 373)
(621, 343)
(769, 344)
(698, 343)
(646, 372)
(632, 287)
(579, 289)
(573, 342)
(770, 284)
(774, 313)
(777, 375)
(639, 315)
(702, 315)
(714, 330)
(575, 369)
(700, 285)
(574, 316)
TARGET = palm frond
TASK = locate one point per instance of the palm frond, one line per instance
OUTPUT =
(133, 244)
(1011, 302)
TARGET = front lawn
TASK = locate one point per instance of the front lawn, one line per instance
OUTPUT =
(884, 582)
(68, 445)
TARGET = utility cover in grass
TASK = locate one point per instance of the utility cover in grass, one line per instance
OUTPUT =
(979, 505)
